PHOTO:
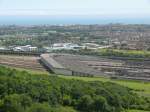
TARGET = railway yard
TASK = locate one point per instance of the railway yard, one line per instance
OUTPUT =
(77, 65)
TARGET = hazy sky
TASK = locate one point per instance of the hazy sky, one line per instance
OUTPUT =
(129, 8)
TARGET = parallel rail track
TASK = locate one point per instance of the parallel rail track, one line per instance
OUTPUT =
(22, 62)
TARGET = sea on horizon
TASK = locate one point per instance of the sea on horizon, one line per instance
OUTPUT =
(66, 20)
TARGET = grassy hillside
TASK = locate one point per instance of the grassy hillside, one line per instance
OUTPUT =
(21, 91)
(139, 87)
(142, 88)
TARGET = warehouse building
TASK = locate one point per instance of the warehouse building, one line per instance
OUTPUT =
(69, 64)
(53, 65)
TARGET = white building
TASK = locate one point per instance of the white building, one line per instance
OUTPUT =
(66, 46)
(25, 48)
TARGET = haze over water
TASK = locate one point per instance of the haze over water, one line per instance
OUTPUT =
(55, 20)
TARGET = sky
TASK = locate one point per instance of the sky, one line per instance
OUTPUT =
(116, 8)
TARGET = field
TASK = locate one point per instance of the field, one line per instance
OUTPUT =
(125, 53)
(136, 111)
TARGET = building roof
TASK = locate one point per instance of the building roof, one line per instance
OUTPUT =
(51, 61)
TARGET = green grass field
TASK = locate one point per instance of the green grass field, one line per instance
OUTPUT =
(32, 71)
(28, 70)
(125, 53)
(136, 111)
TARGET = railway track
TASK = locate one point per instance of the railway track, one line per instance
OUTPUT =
(27, 62)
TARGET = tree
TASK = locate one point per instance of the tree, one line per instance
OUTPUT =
(38, 107)
(67, 100)
(15, 103)
(100, 104)
(85, 103)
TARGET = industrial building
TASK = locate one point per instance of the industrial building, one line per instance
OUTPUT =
(69, 64)
(65, 46)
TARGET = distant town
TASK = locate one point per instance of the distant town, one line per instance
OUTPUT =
(73, 37)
